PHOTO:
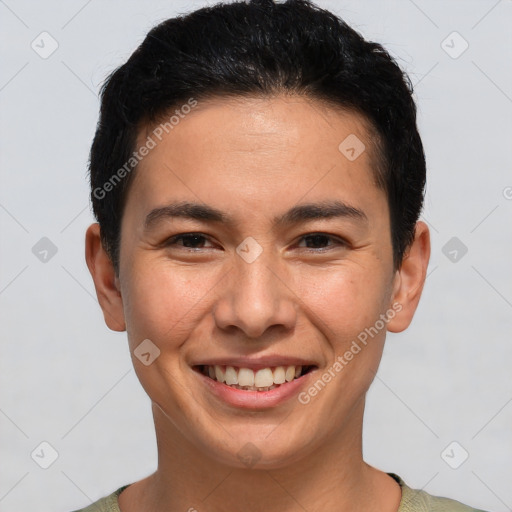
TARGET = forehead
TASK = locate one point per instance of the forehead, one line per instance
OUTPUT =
(281, 123)
(236, 152)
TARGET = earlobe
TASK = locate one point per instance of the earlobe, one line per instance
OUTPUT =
(105, 281)
(410, 279)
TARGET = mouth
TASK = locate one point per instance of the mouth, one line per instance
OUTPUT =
(254, 380)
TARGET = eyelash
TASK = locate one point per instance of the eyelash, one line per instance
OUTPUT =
(174, 239)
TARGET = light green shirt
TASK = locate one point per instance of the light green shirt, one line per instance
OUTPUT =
(413, 500)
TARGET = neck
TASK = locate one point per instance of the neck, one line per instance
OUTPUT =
(333, 477)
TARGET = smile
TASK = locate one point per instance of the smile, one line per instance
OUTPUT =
(246, 379)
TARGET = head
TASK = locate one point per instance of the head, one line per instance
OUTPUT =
(257, 177)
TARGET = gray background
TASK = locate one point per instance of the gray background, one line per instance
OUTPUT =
(67, 380)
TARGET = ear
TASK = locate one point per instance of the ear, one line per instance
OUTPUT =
(105, 280)
(410, 278)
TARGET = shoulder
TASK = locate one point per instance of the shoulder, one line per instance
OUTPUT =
(413, 500)
(417, 500)
(107, 504)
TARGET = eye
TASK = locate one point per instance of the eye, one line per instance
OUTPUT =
(189, 241)
(317, 242)
(314, 240)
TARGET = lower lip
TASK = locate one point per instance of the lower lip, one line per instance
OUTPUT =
(255, 399)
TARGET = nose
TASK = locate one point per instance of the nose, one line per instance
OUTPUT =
(256, 298)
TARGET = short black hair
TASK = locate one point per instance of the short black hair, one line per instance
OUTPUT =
(259, 48)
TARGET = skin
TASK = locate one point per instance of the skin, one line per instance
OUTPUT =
(254, 159)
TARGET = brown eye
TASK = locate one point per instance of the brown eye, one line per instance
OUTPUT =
(321, 241)
(188, 240)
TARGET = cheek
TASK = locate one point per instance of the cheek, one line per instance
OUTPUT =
(345, 307)
(343, 301)
(163, 303)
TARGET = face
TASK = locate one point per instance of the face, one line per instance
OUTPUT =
(250, 240)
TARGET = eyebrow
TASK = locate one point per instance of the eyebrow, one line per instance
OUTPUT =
(295, 215)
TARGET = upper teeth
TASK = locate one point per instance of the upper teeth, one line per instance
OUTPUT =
(263, 378)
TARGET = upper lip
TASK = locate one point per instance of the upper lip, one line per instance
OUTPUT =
(256, 363)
